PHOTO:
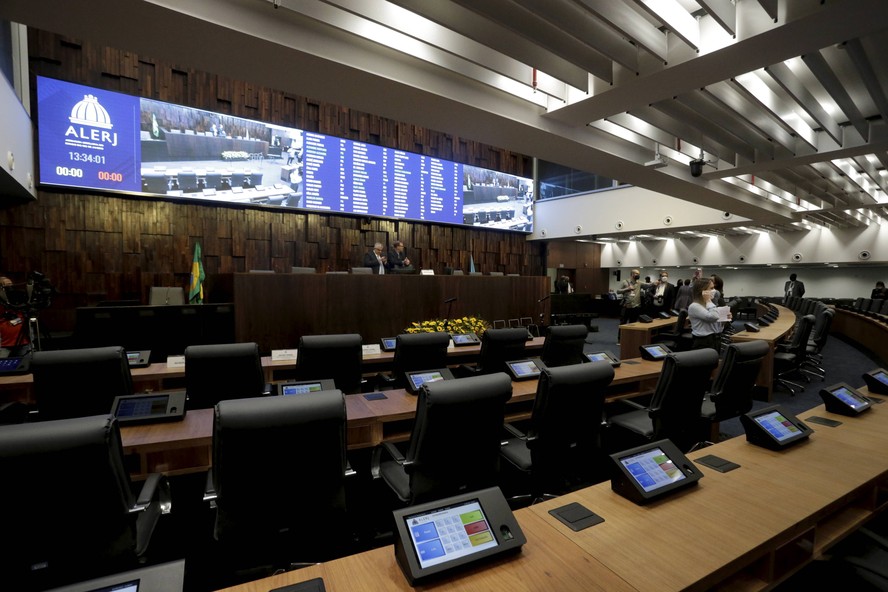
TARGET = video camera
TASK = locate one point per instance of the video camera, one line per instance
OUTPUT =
(35, 294)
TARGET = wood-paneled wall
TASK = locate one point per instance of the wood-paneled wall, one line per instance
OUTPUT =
(101, 247)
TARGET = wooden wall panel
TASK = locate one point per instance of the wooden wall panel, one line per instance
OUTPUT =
(103, 247)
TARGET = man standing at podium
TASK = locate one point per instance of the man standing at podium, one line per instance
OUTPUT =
(375, 260)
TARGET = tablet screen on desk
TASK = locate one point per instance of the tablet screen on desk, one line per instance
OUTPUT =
(522, 369)
(777, 425)
(417, 379)
(450, 532)
(602, 356)
(881, 376)
(306, 386)
(652, 469)
(125, 587)
(142, 407)
(848, 397)
(654, 351)
(388, 343)
(465, 339)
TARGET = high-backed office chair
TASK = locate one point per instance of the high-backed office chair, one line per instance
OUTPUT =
(564, 345)
(680, 338)
(79, 382)
(817, 341)
(71, 513)
(162, 295)
(416, 351)
(224, 371)
(790, 362)
(278, 478)
(731, 392)
(674, 412)
(455, 441)
(562, 447)
(331, 356)
(498, 346)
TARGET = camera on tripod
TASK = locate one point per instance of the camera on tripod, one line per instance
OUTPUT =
(36, 294)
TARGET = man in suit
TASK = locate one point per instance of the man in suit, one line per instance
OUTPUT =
(397, 258)
(375, 260)
(793, 288)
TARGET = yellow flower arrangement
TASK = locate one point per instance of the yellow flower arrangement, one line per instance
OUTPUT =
(459, 325)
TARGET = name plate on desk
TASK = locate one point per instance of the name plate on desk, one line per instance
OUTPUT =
(371, 349)
(283, 355)
(175, 361)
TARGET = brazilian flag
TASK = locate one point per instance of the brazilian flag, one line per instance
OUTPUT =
(195, 291)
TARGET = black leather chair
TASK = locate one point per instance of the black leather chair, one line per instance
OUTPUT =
(79, 382)
(455, 442)
(562, 447)
(498, 346)
(416, 351)
(278, 479)
(790, 362)
(564, 345)
(224, 371)
(674, 412)
(680, 338)
(819, 336)
(331, 356)
(71, 513)
(731, 392)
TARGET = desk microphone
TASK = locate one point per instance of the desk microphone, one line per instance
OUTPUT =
(546, 297)
(449, 300)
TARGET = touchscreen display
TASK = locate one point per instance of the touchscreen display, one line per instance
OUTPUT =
(132, 356)
(777, 425)
(849, 398)
(142, 406)
(524, 368)
(9, 364)
(301, 389)
(599, 357)
(656, 351)
(124, 587)
(464, 338)
(420, 378)
(881, 377)
(444, 534)
(389, 342)
(652, 469)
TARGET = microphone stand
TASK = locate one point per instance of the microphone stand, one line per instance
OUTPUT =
(540, 302)
(449, 303)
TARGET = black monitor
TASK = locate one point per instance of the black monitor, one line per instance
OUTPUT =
(650, 471)
(388, 343)
(844, 400)
(774, 428)
(877, 381)
(654, 351)
(603, 356)
(416, 379)
(464, 339)
(304, 387)
(437, 537)
(523, 369)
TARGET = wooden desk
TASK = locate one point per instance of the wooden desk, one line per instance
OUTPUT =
(160, 376)
(634, 335)
(185, 446)
(867, 332)
(773, 334)
(748, 529)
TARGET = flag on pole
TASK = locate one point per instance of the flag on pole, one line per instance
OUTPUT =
(471, 263)
(195, 291)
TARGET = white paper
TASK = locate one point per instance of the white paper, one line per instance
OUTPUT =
(175, 361)
(371, 349)
(723, 312)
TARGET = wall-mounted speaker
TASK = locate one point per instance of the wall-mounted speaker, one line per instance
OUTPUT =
(654, 261)
(742, 258)
(617, 274)
(864, 255)
(695, 260)
(620, 262)
(727, 215)
(619, 225)
(578, 229)
(543, 233)
(796, 257)
(667, 221)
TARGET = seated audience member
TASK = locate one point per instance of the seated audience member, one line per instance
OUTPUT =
(879, 292)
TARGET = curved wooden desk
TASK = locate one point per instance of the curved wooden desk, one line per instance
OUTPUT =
(773, 334)
(867, 332)
(747, 529)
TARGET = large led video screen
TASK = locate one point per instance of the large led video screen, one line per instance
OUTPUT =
(95, 139)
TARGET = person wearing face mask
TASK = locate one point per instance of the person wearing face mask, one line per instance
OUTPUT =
(663, 294)
(632, 290)
(703, 315)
